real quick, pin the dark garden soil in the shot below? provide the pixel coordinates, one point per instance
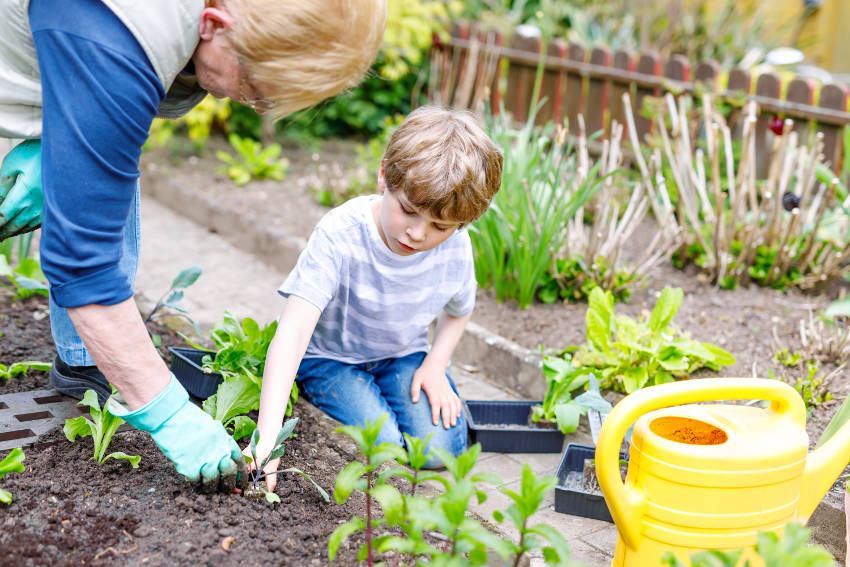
(69, 510)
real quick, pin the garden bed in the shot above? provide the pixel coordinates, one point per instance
(69, 510)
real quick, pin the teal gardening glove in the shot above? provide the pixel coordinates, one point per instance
(21, 198)
(199, 447)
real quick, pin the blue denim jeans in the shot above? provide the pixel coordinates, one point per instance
(69, 345)
(353, 393)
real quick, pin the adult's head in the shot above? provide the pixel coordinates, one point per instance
(284, 56)
(443, 162)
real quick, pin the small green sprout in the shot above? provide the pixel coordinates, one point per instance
(102, 426)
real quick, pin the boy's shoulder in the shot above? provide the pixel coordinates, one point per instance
(354, 212)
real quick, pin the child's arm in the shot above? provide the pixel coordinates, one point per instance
(295, 327)
(431, 376)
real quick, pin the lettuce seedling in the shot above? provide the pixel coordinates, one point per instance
(14, 462)
(16, 368)
(102, 426)
(277, 452)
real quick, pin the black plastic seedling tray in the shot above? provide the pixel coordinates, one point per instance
(577, 502)
(187, 367)
(502, 427)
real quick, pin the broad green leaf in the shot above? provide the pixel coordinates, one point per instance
(243, 426)
(346, 480)
(235, 396)
(77, 427)
(341, 533)
(634, 378)
(390, 500)
(5, 496)
(186, 277)
(567, 416)
(594, 400)
(841, 417)
(271, 497)
(599, 312)
(665, 308)
(133, 459)
(13, 462)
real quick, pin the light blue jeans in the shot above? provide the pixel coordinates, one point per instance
(353, 393)
(69, 345)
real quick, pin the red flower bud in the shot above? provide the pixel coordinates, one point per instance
(776, 125)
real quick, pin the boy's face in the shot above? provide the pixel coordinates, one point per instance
(406, 229)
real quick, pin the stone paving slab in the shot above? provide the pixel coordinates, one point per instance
(24, 416)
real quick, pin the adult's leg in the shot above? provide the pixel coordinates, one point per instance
(347, 393)
(70, 347)
(394, 377)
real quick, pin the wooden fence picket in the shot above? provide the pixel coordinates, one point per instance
(597, 92)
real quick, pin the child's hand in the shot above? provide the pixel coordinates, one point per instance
(271, 466)
(440, 394)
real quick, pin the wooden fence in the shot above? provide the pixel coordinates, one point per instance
(471, 66)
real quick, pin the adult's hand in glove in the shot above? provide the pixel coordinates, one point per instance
(199, 447)
(21, 197)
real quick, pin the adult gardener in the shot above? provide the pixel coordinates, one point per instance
(81, 83)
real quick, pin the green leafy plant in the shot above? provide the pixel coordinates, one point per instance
(466, 541)
(572, 279)
(628, 354)
(189, 133)
(240, 357)
(14, 462)
(252, 161)
(791, 550)
(810, 384)
(21, 368)
(27, 278)
(559, 405)
(171, 300)
(101, 427)
(256, 475)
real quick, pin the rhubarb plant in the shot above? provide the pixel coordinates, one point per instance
(14, 462)
(256, 475)
(628, 354)
(101, 427)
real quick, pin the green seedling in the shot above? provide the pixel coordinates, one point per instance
(171, 300)
(628, 354)
(559, 405)
(240, 357)
(362, 477)
(791, 550)
(252, 161)
(102, 426)
(27, 277)
(14, 462)
(255, 476)
(21, 368)
(525, 504)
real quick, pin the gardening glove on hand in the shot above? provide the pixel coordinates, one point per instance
(21, 198)
(199, 447)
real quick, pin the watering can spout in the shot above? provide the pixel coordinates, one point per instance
(823, 466)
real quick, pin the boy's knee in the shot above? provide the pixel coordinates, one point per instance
(453, 441)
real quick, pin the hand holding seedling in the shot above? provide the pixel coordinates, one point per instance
(263, 451)
(432, 379)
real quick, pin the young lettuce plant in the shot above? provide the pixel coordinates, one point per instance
(277, 452)
(559, 405)
(240, 357)
(629, 354)
(14, 462)
(102, 426)
(21, 368)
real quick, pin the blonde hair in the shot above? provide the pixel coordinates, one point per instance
(306, 50)
(444, 163)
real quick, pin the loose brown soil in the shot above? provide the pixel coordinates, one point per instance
(69, 510)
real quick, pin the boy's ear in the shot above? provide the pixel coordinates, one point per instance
(382, 184)
(214, 19)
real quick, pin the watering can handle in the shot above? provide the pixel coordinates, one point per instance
(627, 503)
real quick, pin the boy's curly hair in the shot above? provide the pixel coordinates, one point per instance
(444, 163)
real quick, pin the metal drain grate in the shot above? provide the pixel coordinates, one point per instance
(26, 415)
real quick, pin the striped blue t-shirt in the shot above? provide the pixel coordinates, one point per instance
(376, 304)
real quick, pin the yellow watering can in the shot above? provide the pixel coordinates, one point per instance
(711, 476)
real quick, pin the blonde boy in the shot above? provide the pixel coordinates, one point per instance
(375, 273)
